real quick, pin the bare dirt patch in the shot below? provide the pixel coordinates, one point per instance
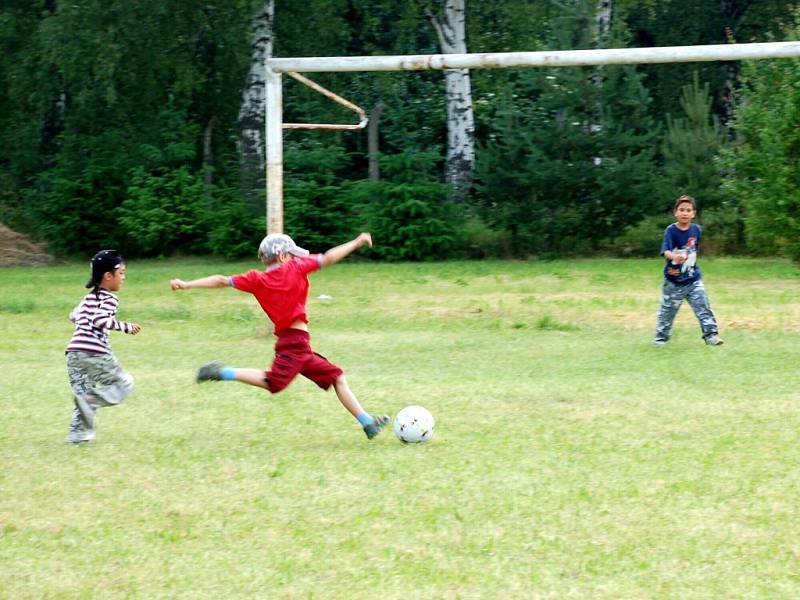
(16, 250)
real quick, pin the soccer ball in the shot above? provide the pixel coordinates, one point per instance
(413, 425)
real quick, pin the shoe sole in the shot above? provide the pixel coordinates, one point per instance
(78, 442)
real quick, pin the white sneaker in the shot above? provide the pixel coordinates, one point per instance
(78, 432)
(78, 437)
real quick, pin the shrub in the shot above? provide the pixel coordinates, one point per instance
(723, 230)
(643, 238)
(237, 228)
(412, 221)
(164, 212)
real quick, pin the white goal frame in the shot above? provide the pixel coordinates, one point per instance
(275, 67)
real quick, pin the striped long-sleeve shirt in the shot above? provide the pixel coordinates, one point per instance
(93, 318)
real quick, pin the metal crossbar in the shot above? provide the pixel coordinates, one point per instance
(492, 60)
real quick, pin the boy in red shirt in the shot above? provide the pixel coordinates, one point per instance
(282, 292)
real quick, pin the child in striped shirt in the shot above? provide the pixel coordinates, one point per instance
(97, 379)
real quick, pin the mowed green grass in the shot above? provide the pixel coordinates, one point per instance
(571, 458)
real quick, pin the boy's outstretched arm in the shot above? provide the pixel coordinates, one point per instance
(212, 281)
(336, 254)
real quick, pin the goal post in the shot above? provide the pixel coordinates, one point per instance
(492, 60)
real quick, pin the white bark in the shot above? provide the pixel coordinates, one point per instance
(251, 112)
(602, 21)
(450, 26)
(605, 10)
(373, 144)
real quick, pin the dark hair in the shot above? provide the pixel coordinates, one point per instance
(682, 199)
(105, 261)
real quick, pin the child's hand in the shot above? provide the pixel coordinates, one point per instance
(178, 284)
(679, 257)
(365, 239)
(135, 328)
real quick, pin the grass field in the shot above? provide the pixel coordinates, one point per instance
(571, 459)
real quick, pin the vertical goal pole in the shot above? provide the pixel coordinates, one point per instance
(273, 122)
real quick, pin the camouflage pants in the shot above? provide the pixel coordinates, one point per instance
(101, 380)
(672, 296)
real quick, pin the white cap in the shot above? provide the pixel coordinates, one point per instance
(278, 243)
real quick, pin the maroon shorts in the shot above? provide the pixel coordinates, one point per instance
(293, 357)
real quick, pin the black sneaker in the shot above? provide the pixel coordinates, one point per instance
(374, 428)
(210, 371)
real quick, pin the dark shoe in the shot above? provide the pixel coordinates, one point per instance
(659, 342)
(714, 340)
(210, 371)
(86, 410)
(374, 428)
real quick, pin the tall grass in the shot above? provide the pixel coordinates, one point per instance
(571, 459)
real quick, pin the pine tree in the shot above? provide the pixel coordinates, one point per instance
(690, 146)
(569, 159)
(762, 169)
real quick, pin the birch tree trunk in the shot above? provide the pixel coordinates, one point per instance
(373, 147)
(450, 26)
(734, 13)
(602, 22)
(208, 153)
(52, 123)
(605, 10)
(251, 112)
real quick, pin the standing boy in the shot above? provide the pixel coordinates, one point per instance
(96, 377)
(682, 277)
(282, 292)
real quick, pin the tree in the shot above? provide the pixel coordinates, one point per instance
(450, 25)
(93, 87)
(251, 112)
(681, 23)
(568, 163)
(691, 144)
(763, 171)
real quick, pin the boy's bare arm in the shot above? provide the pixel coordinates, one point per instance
(336, 254)
(212, 281)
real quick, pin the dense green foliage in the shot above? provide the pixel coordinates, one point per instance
(765, 171)
(568, 160)
(119, 126)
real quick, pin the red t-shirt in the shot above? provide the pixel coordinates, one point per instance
(281, 290)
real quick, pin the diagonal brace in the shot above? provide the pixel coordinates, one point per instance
(336, 98)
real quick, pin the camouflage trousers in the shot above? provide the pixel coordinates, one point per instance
(99, 379)
(672, 296)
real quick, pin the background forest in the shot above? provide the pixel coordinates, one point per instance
(125, 124)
